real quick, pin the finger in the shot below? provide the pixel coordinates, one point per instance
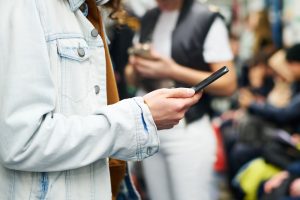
(267, 188)
(180, 93)
(154, 94)
(192, 101)
(198, 96)
(145, 62)
(145, 72)
(142, 68)
(172, 122)
(293, 191)
(165, 127)
(155, 55)
(132, 60)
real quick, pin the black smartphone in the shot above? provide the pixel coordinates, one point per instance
(200, 86)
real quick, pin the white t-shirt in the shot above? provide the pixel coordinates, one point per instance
(139, 7)
(216, 45)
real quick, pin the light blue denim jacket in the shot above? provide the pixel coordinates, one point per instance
(56, 130)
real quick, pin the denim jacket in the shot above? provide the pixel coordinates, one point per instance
(56, 130)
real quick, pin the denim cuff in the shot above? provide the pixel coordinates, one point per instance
(146, 131)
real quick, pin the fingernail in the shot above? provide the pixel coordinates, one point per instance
(190, 91)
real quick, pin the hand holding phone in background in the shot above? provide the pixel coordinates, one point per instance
(151, 64)
(141, 50)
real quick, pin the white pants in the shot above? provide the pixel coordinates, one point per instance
(183, 168)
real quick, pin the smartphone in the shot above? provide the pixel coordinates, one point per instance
(216, 75)
(143, 50)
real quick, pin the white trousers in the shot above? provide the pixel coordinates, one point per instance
(183, 167)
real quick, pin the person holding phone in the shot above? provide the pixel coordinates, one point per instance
(56, 81)
(188, 43)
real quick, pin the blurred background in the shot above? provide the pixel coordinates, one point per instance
(256, 128)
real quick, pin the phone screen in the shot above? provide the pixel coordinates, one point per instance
(213, 77)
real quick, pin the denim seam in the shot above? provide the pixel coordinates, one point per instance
(146, 129)
(12, 185)
(42, 20)
(68, 185)
(74, 57)
(74, 7)
(151, 127)
(55, 36)
(44, 183)
(92, 181)
(138, 136)
(136, 119)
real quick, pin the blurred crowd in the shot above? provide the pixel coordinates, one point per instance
(257, 128)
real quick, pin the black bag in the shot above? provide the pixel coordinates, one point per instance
(254, 131)
(280, 151)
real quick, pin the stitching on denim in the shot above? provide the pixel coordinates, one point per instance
(68, 185)
(75, 6)
(55, 36)
(42, 20)
(143, 117)
(92, 181)
(136, 132)
(12, 185)
(44, 183)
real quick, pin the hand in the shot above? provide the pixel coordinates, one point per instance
(245, 98)
(295, 188)
(157, 67)
(295, 138)
(168, 106)
(275, 181)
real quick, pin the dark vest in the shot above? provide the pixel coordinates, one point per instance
(188, 38)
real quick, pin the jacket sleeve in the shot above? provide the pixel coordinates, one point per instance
(294, 168)
(32, 136)
(278, 115)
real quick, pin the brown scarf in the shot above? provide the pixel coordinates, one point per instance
(117, 168)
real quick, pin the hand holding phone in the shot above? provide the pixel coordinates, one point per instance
(213, 77)
(141, 50)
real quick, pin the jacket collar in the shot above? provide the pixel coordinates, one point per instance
(75, 4)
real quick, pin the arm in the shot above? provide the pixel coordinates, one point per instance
(279, 115)
(275, 181)
(34, 137)
(294, 168)
(217, 53)
(223, 86)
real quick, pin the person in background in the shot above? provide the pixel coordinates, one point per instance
(57, 130)
(120, 34)
(286, 116)
(243, 137)
(139, 8)
(256, 34)
(188, 42)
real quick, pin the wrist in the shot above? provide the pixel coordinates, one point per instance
(145, 102)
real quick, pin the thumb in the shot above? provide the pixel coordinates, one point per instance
(155, 54)
(180, 93)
